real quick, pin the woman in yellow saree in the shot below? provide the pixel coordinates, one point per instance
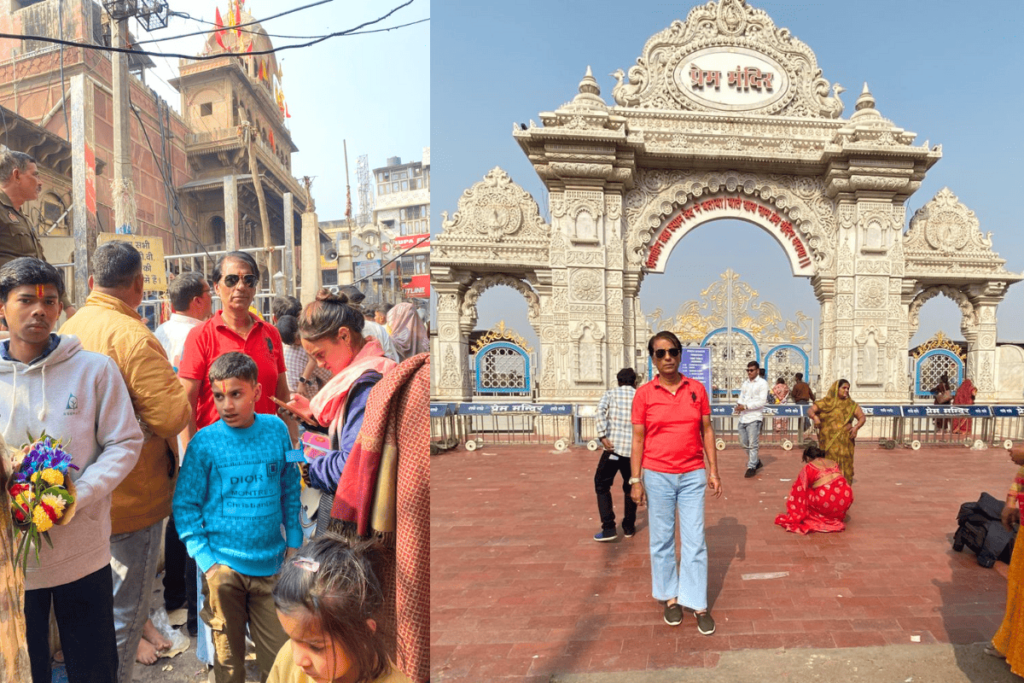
(837, 434)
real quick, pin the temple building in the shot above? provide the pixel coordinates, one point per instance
(191, 179)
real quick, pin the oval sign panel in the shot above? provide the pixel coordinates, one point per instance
(731, 79)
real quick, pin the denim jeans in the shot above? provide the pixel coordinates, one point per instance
(133, 563)
(668, 494)
(750, 434)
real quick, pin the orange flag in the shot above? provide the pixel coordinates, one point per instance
(271, 138)
(219, 24)
(286, 114)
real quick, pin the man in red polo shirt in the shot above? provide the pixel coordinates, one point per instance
(233, 328)
(671, 433)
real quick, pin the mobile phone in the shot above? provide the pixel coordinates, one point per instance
(288, 408)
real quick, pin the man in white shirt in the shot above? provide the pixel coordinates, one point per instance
(750, 408)
(191, 304)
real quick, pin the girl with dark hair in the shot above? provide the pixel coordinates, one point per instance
(819, 498)
(330, 603)
(331, 333)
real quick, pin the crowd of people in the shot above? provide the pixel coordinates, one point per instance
(197, 443)
(661, 440)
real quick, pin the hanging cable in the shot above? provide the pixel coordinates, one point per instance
(232, 28)
(167, 183)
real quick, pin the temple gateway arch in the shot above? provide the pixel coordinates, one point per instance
(722, 116)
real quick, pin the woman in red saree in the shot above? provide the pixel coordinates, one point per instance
(964, 397)
(820, 496)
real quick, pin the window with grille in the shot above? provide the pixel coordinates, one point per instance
(502, 368)
(932, 366)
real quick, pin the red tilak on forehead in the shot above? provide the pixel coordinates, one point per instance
(223, 387)
(39, 291)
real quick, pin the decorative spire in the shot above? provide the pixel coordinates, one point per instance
(589, 96)
(866, 99)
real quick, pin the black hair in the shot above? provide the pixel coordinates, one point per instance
(813, 453)
(183, 289)
(234, 365)
(754, 364)
(842, 382)
(336, 583)
(781, 380)
(328, 314)
(288, 327)
(626, 377)
(28, 271)
(115, 265)
(799, 377)
(664, 334)
(283, 305)
(245, 258)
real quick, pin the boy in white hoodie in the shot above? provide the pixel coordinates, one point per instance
(48, 382)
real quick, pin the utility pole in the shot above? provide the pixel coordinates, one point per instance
(248, 132)
(122, 182)
(344, 247)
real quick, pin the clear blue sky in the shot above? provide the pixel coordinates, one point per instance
(371, 90)
(936, 67)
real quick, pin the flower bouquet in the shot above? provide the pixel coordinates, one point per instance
(42, 493)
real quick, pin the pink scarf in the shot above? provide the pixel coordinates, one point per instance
(329, 400)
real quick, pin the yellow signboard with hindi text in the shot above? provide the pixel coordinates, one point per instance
(154, 270)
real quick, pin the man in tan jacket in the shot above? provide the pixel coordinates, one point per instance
(109, 324)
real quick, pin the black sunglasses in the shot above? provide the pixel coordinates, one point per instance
(751, 369)
(232, 280)
(660, 353)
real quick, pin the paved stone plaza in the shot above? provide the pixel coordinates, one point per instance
(520, 592)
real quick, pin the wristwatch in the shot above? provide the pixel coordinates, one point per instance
(303, 380)
(635, 480)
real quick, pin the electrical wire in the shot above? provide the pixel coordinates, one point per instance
(201, 58)
(167, 183)
(224, 28)
(232, 28)
(406, 251)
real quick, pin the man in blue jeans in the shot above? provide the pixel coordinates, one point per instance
(750, 408)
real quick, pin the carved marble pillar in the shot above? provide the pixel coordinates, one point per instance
(978, 325)
(454, 379)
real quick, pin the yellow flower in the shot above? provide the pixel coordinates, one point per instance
(53, 477)
(41, 519)
(25, 497)
(54, 501)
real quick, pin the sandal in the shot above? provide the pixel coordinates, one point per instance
(991, 651)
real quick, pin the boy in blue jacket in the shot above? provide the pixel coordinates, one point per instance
(234, 492)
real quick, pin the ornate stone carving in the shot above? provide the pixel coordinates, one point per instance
(451, 373)
(969, 319)
(447, 303)
(488, 281)
(943, 228)
(585, 285)
(871, 292)
(799, 198)
(661, 77)
(496, 210)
